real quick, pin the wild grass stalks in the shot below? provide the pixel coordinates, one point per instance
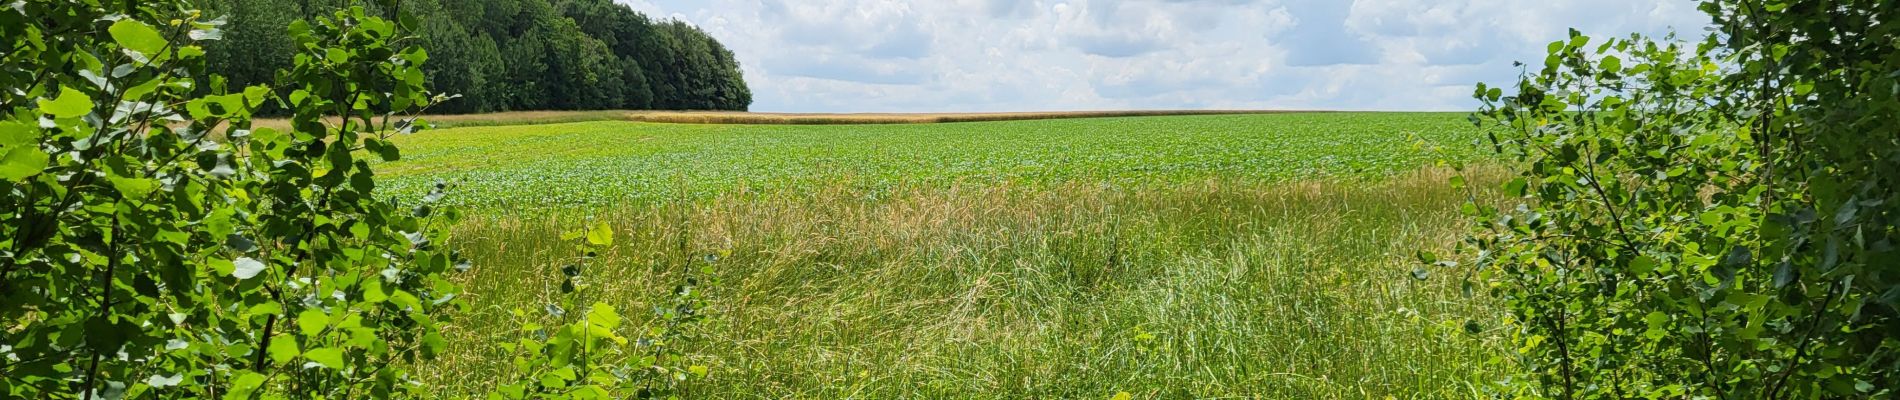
(1208, 289)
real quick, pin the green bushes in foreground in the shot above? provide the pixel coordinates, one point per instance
(154, 245)
(1706, 220)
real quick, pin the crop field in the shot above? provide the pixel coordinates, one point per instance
(767, 118)
(611, 162)
(1231, 256)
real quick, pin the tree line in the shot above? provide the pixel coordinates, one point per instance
(511, 55)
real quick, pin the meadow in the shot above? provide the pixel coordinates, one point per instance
(1220, 256)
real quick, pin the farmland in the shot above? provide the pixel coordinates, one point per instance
(608, 162)
(1181, 256)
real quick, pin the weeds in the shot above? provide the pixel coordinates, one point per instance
(1209, 289)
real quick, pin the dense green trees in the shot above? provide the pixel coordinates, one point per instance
(502, 55)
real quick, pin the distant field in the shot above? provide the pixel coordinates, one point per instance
(610, 162)
(1220, 256)
(766, 118)
(721, 117)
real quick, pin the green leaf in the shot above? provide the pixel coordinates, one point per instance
(246, 268)
(138, 92)
(389, 152)
(312, 321)
(404, 299)
(19, 163)
(1785, 274)
(601, 235)
(373, 291)
(1515, 187)
(266, 308)
(159, 381)
(135, 188)
(300, 30)
(1578, 40)
(1747, 301)
(415, 55)
(222, 266)
(1658, 325)
(246, 383)
(1122, 396)
(17, 134)
(219, 223)
(71, 103)
(329, 357)
(1611, 64)
(283, 349)
(432, 344)
(1644, 264)
(604, 315)
(137, 36)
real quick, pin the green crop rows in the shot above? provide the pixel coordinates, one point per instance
(597, 163)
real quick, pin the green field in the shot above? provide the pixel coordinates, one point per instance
(611, 162)
(1262, 256)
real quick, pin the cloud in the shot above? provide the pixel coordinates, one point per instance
(854, 69)
(1006, 8)
(1319, 36)
(1004, 55)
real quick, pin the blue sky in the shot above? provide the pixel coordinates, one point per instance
(1002, 55)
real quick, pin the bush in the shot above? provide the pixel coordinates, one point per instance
(156, 245)
(1705, 220)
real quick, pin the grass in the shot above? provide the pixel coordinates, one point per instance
(1257, 256)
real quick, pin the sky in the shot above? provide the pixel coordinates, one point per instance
(1058, 55)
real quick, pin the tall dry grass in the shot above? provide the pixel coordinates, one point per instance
(1212, 289)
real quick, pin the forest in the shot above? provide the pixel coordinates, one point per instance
(513, 55)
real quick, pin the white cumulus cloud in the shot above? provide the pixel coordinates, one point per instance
(1015, 55)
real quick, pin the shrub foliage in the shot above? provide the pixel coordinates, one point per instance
(1713, 219)
(155, 245)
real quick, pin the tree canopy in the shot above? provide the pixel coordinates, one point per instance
(511, 55)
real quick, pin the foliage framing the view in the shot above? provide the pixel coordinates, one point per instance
(1705, 220)
(155, 245)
